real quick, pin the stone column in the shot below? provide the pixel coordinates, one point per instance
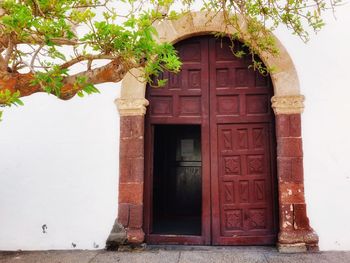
(295, 233)
(128, 226)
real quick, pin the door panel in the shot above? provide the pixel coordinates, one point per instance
(184, 100)
(241, 174)
(244, 175)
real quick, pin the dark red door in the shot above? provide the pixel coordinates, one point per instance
(231, 103)
(242, 159)
(183, 101)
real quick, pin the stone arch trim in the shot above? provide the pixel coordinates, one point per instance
(196, 23)
(295, 233)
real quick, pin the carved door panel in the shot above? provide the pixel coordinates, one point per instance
(184, 98)
(242, 167)
(244, 182)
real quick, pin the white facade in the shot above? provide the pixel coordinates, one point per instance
(59, 159)
(59, 168)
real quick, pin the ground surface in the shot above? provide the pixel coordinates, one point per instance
(174, 255)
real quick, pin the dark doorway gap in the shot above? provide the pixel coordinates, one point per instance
(177, 180)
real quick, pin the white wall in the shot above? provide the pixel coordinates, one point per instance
(59, 167)
(59, 160)
(324, 73)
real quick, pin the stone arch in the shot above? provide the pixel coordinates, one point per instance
(196, 23)
(285, 79)
(295, 233)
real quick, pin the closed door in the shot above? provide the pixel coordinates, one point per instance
(230, 103)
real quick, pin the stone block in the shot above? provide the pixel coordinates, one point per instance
(292, 248)
(131, 170)
(284, 169)
(289, 147)
(131, 193)
(297, 170)
(290, 169)
(135, 236)
(286, 217)
(295, 125)
(123, 214)
(282, 125)
(136, 216)
(291, 193)
(131, 148)
(131, 126)
(301, 221)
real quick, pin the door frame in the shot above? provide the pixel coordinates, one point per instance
(295, 232)
(205, 238)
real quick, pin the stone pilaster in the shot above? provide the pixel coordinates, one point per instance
(295, 234)
(128, 226)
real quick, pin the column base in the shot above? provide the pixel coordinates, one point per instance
(297, 241)
(135, 236)
(117, 236)
(292, 248)
(120, 236)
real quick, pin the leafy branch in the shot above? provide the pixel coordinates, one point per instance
(42, 42)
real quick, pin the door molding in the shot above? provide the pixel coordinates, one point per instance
(295, 232)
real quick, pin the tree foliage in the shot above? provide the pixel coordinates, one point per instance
(42, 41)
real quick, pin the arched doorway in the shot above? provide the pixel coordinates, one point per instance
(210, 162)
(294, 232)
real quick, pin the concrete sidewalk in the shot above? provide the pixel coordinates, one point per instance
(174, 254)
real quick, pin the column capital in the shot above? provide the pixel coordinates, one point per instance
(288, 104)
(132, 107)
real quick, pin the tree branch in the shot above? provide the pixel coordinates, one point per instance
(85, 57)
(36, 40)
(3, 64)
(9, 51)
(112, 72)
(31, 66)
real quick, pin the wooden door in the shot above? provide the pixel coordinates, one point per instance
(183, 101)
(242, 158)
(231, 103)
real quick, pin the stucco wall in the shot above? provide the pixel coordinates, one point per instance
(323, 70)
(59, 167)
(59, 160)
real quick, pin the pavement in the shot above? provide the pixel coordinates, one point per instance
(174, 254)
